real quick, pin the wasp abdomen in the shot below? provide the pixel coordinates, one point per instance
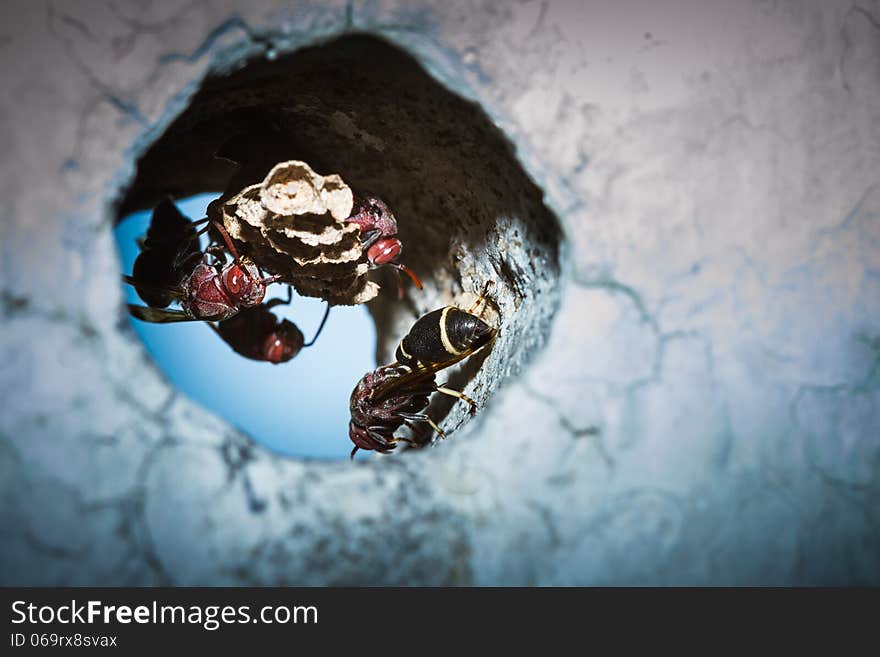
(442, 335)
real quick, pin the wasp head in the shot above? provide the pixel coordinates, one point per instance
(364, 438)
(372, 214)
(242, 282)
(378, 229)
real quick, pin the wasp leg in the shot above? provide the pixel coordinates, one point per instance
(379, 438)
(369, 238)
(197, 234)
(215, 249)
(484, 295)
(434, 426)
(410, 441)
(384, 445)
(424, 417)
(184, 254)
(423, 439)
(459, 395)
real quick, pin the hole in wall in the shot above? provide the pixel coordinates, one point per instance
(467, 212)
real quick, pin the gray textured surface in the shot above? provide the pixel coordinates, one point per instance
(705, 410)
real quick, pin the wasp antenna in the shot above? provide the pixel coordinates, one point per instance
(435, 427)
(320, 328)
(228, 240)
(353, 452)
(406, 270)
(369, 238)
(459, 395)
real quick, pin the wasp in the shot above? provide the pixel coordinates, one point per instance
(378, 228)
(169, 247)
(256, 333)
(398, 394)
(171, 267)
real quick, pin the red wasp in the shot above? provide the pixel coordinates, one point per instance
(378, 229)
(171, 267)
(397, 394)
(258, 334)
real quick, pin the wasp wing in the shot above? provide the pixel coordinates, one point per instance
(422, 377)
(169, 227)
(173, 292)
(418, 380)
(158, 315)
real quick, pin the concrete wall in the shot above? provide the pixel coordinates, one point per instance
(706, 408)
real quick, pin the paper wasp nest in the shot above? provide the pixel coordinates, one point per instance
(293, 224)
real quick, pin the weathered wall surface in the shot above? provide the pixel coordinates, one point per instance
(706, 408)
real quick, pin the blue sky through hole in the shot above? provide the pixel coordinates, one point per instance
(298, 408)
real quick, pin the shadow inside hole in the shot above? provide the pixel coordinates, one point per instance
(364, 109)
(298, 408)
